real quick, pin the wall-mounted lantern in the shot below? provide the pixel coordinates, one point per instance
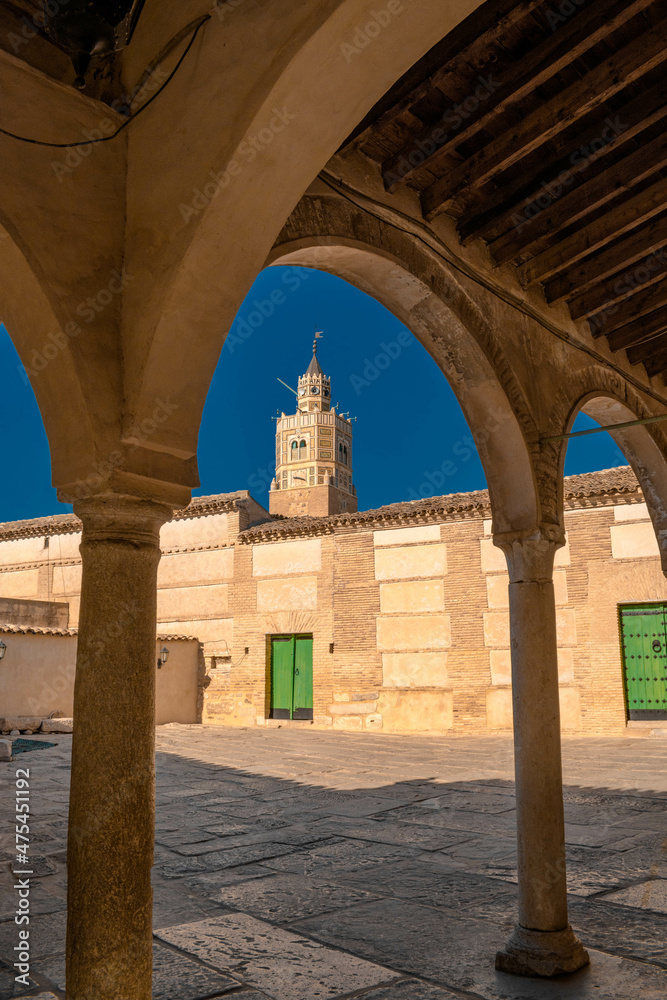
(163, 656)
(3, 649)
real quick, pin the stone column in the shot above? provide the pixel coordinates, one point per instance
(112, 799)
(543, 942)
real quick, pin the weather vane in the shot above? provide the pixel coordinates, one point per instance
(318, 335)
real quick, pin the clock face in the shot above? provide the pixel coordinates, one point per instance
(314, 390)
(302, 392)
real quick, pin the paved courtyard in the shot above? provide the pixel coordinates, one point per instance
(301, 865)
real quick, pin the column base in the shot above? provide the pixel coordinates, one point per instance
(542, 953)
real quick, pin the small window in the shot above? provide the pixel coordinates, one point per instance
(302, 449)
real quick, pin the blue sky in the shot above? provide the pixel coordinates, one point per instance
(409, 425)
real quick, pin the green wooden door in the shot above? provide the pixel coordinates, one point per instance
(644, 641)
(302, 704)
(282, 676)
(291, 677)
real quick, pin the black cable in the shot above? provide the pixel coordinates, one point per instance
(107, 138)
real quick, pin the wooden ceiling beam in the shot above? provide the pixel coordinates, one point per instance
(435, 141)
(652, 354)
(656, 365)
(645, 300)
(641, 247)
(490, 216)
(621, 286)
(621, 219)
(581, 201)
(446, 57)
(581, 98)
(639, 330)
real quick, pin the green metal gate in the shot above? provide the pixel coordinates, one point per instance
(291, 677)
(644, 644)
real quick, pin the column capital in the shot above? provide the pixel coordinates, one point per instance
(121, 474)
(530, 554)
(121, 517)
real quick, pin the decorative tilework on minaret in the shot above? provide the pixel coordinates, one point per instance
(313, 452)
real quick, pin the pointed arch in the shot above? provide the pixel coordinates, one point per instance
(253, 147)
(418, 288)
(607, 398)
(44, 345)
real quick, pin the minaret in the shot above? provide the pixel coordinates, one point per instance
(313, 453)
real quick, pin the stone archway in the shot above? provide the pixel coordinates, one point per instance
(44, 343)
(419, 290)
(601, 395)
(243, 168)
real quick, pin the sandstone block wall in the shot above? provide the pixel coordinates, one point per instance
(410, 623)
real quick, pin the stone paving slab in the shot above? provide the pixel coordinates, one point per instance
(211, 882)
(620, 930)
(176, 904)
(9, 988)
(175, 976)
(384, 831)
(416, 873)
(409, 989)
(47, 936)
(502, 825)
(454, 951)
(433, 887)
(281, 898)
(348, 855)
(470, 798)
(282, 965)
(649, 895)
(223, 859)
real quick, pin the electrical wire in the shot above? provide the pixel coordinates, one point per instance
(108, 138)
(435, 244)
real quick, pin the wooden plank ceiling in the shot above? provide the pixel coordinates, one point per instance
(541, 128)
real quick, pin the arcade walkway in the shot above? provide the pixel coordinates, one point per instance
(306, 865)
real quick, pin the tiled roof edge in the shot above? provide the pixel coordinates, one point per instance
(63, 524)
(8, 629)
(586, 489)
(583, 490)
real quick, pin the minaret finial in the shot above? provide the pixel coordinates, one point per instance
(318, 335)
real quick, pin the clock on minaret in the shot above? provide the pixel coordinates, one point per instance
(313, 453)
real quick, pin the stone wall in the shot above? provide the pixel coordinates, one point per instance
(50, 614)
(37, 675)
(419, 621)
(315, 501)
(410, 621)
